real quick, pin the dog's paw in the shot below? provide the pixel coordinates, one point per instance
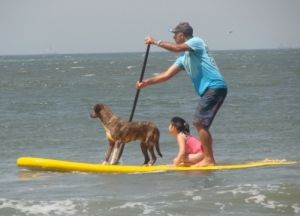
(104, 163)
(151, 163)
(147, 164)
(115, 163)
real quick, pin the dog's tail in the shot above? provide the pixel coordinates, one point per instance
(157, 143)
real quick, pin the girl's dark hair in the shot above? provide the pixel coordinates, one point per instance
(180, 124)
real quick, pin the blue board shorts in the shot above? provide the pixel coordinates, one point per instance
(208, 106)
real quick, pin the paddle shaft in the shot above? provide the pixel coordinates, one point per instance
(141, 79)
(136, 97)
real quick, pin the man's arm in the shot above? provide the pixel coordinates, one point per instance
(162, 77)
(172, 47)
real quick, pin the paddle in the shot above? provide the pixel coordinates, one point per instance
(135, 99)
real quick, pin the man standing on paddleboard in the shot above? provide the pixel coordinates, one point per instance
(208, 82)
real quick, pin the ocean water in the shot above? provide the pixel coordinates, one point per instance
(45, 102)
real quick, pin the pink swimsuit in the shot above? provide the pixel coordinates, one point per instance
(193, 145)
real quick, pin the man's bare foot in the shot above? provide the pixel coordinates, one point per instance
(205, 162)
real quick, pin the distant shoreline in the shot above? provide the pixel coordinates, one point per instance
(116, 53)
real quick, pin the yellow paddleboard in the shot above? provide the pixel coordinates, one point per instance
(69, 166)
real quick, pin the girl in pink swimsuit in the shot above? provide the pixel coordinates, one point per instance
(190, 148)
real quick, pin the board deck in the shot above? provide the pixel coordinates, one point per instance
(71, 166)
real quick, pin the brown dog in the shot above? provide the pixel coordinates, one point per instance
(119, 131)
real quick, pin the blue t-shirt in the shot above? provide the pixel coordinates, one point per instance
(200, 66)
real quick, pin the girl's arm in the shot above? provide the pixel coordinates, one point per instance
(181, 152)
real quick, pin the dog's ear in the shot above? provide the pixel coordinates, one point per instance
(98, 108)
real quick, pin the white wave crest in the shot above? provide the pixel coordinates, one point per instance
(65, 207)
(145, 208)
(89, 75)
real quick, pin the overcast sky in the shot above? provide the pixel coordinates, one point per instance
(98, 26)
